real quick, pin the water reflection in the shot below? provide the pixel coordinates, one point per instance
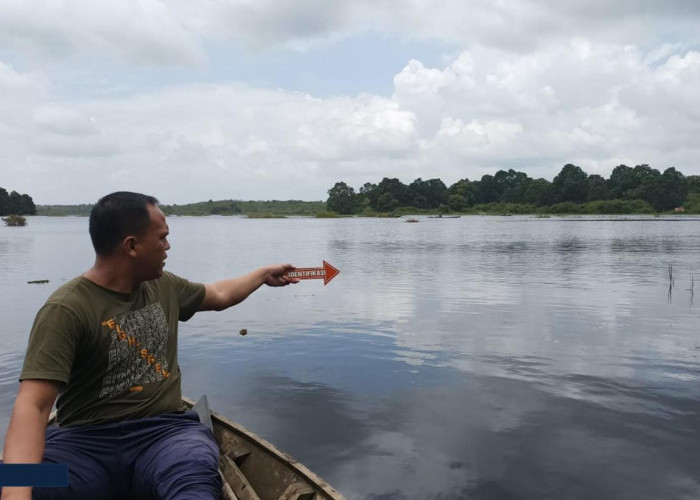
(437, 430)
(476, 437)
(692, 288)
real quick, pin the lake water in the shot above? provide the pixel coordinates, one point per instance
(479, 357)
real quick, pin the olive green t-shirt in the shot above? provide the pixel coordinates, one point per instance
(115, 353)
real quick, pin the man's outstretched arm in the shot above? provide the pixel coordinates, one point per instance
(26, 434)
(226, 293)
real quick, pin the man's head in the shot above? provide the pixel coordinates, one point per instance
(117, 216)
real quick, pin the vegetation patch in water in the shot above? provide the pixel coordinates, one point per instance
(15, 220)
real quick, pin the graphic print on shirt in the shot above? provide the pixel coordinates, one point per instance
(137, 352)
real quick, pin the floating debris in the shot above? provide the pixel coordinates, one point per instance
(243, 331)
(37, 282)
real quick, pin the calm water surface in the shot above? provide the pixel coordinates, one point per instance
(479, 357)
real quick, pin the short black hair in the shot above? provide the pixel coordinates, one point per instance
(116, 216)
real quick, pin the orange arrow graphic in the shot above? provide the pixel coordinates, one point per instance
(326, 273)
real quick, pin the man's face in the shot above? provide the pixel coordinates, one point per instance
(152, 246)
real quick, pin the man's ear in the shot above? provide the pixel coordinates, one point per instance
(129, 246)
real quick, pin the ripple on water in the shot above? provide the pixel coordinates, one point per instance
(10, 365)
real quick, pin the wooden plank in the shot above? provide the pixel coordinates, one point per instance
(226, 491)
(298, 491)
(238, 453)
(235, 478)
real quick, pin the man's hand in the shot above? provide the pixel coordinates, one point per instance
(278, 275)
(16, 494)
(24, 442)
(226, 293)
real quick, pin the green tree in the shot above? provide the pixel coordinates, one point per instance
(457, 203)
(386, 202)
(692, 182)
(597, 188)
(511, 185)
(28, 206)
(427, 194)
(463, 188)
(224, 208)
(487, 190)
(389, 194)
(672, 189)
(4, 200)
(646, 185)
(364, 195)
(622, 182)
(15, 203)
(646, 182)
(436, 192)
(342, 199)
(536, 192)
(570, 185)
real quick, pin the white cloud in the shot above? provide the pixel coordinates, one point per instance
(159, 32)
(90, 99)
(351, 129)
(11, 80)
(227, 137)
(584, 101)
(63, 121)
(516, 25)
(141, 32)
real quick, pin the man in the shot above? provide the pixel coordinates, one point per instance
(104, 348)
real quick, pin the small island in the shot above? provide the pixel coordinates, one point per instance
(15, 220)
(14, 206)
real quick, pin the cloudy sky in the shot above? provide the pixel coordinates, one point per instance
(262, 99)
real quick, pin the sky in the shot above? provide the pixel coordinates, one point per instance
(261, 99)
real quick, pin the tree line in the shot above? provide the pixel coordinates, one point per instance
(240, 207)
(640, 188)
(211, 207)
(15, 203)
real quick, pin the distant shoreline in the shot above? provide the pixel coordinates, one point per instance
(289, 208)
(573, 216)
(211, 207)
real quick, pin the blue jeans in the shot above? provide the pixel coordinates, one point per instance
(171, 456)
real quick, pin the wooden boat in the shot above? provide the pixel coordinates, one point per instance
(252, 468)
